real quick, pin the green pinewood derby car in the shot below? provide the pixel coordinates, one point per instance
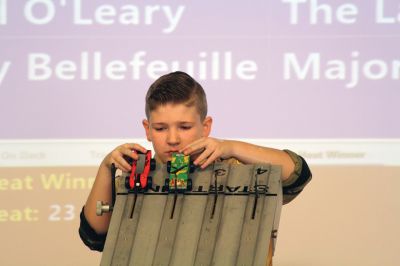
(178, 169)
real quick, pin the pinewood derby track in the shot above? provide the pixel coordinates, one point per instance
(230, 217)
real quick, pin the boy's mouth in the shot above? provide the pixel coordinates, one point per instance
(169, 153)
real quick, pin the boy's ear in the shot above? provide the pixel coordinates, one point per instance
(146, 126)
(207, 123)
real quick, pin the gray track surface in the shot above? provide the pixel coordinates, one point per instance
(232, 223)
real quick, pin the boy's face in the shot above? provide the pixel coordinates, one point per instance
(172, 127)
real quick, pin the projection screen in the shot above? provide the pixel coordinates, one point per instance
(318, 77)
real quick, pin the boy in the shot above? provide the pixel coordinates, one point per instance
(177, 121)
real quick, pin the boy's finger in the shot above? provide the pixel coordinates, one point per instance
(186, 149)
(130, 153)
(210, 160)
(134, 146)
(203, 156)
(192, 145)
(123, 165)
(140, 148)
(194, 148)
(194, 152)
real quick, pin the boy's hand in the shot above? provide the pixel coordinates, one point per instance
(209, 150)
(116, 157)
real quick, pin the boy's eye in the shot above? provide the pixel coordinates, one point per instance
(186, 127)
(159, 128)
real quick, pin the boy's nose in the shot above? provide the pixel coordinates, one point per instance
(173, 137)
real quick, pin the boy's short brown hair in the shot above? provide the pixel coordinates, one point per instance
(176, 87)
